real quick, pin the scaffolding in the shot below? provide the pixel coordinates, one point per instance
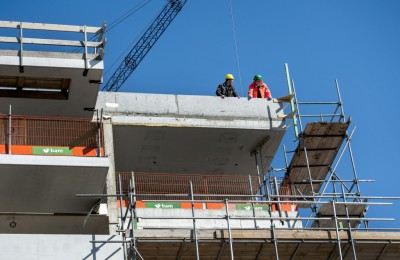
(313, 168)
(334, 206)
(198, 243)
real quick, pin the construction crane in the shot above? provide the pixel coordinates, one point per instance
(144, 44)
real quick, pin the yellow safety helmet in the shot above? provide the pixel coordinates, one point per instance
(229, 76)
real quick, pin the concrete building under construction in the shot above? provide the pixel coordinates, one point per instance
(103, 175)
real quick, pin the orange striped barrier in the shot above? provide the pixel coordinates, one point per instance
(285, 207)
(50, 150)
(210, 206)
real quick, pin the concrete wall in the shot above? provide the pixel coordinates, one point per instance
(50, 247)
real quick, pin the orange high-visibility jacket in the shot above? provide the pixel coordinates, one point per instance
(259, 92)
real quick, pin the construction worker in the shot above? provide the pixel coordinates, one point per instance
(258, 89)
(226, 89)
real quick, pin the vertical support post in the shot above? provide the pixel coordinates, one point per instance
(274, 239)
(297, 106)
(98, 134)
(196, 241)
(286, 159)
(296, 131)
(337, 229)
(132, 206)
(268, 196)
(122, 215)
(252, 204)
(258, 168)
(100, 38)
(334, 187)
(229, 228)
(262, 166)
(110, 182)
(101, 134)
(278, 199)
(21, 49)
(9, 131)
(350, 233)
(342, 115)
(85, 72)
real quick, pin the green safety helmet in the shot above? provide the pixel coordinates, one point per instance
(257, 77)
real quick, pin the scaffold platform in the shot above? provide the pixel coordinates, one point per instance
(352, 216)
(314, 155)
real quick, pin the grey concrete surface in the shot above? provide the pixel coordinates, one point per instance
(110, 181)
(60, 247)
(217, 223)
(190, 111)
(82, 93)
(48, 184)
(191, 134)
(53, 224)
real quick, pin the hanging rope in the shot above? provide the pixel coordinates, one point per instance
(236, 47)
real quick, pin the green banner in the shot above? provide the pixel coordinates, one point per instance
(51, 150)
(163, 205)
(249, 207)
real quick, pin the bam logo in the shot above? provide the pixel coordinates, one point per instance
(163, 205)
(51, 150)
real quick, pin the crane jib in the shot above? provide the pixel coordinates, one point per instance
(144, 44)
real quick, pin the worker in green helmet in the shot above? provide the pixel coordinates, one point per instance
(226, 89)
(258, 89)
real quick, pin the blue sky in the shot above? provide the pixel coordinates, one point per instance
(356, 42)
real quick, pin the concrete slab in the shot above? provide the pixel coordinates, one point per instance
(191, 134)
(48, 184)
(82, 93)
(191, 150)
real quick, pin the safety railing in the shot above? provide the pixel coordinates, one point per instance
(163, 183)
(85, 40)
(50, 136)
(22, 29)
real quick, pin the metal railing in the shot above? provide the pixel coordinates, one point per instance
(50, 132)
(21, 42)
(163, 183)
(23, 27)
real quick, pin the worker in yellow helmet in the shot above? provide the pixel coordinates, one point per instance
(226, 89)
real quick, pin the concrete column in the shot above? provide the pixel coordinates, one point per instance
(110, 183)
